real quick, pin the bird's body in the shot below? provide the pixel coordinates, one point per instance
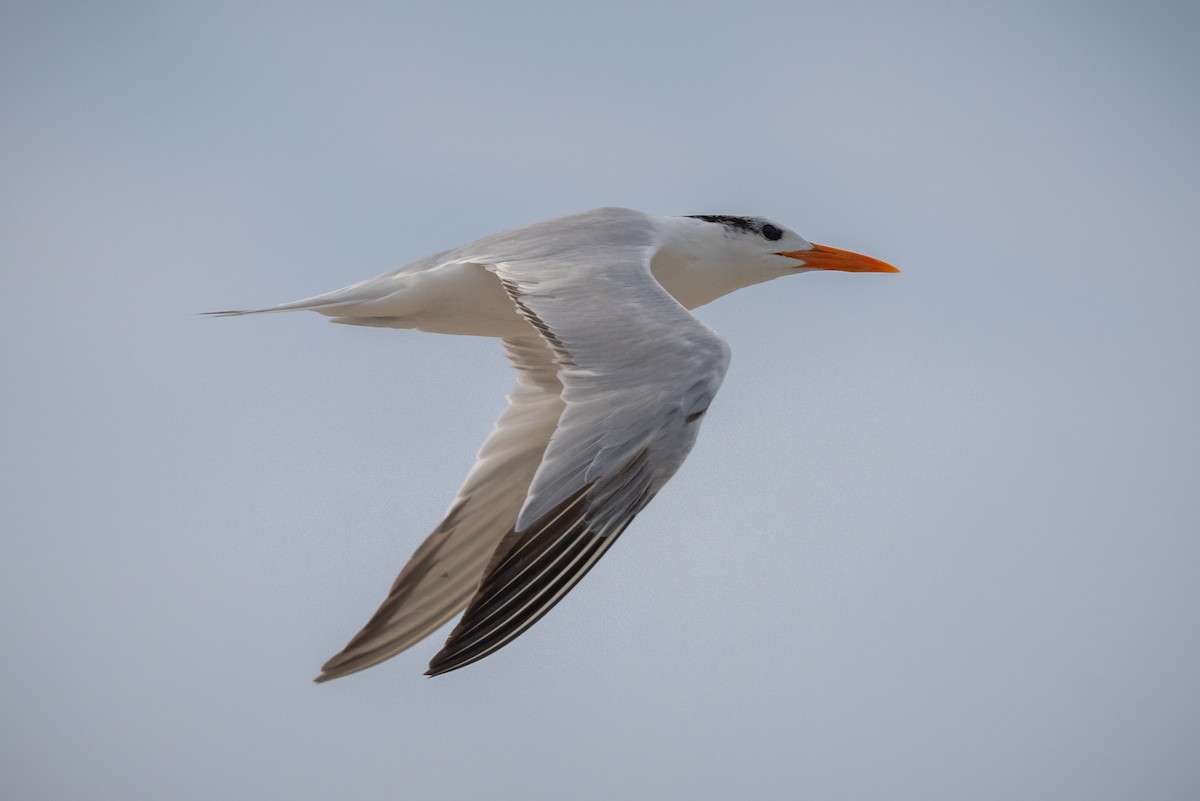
(614, 377)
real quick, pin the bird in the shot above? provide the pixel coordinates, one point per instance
(614, 377)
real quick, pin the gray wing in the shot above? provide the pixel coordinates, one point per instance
(444, 572)
(638, 372)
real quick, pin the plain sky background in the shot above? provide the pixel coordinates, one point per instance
(940, 537)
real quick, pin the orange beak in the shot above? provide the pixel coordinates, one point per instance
(823, 257)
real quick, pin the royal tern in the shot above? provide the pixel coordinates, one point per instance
(614, 376)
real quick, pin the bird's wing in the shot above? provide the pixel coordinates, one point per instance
(638, 372)
(444, 572)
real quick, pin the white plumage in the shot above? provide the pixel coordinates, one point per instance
(614, 375)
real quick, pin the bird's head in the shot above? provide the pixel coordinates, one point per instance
(710, 255)
(770, 244)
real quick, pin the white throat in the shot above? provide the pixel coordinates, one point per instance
(699, 262)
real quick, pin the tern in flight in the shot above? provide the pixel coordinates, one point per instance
(614, 376)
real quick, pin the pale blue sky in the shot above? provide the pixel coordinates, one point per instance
(938, 540)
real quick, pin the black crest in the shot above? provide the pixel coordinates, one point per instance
(749, 225)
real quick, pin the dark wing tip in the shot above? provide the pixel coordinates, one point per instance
(438, 667)
(530, 572)
(535, 568)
